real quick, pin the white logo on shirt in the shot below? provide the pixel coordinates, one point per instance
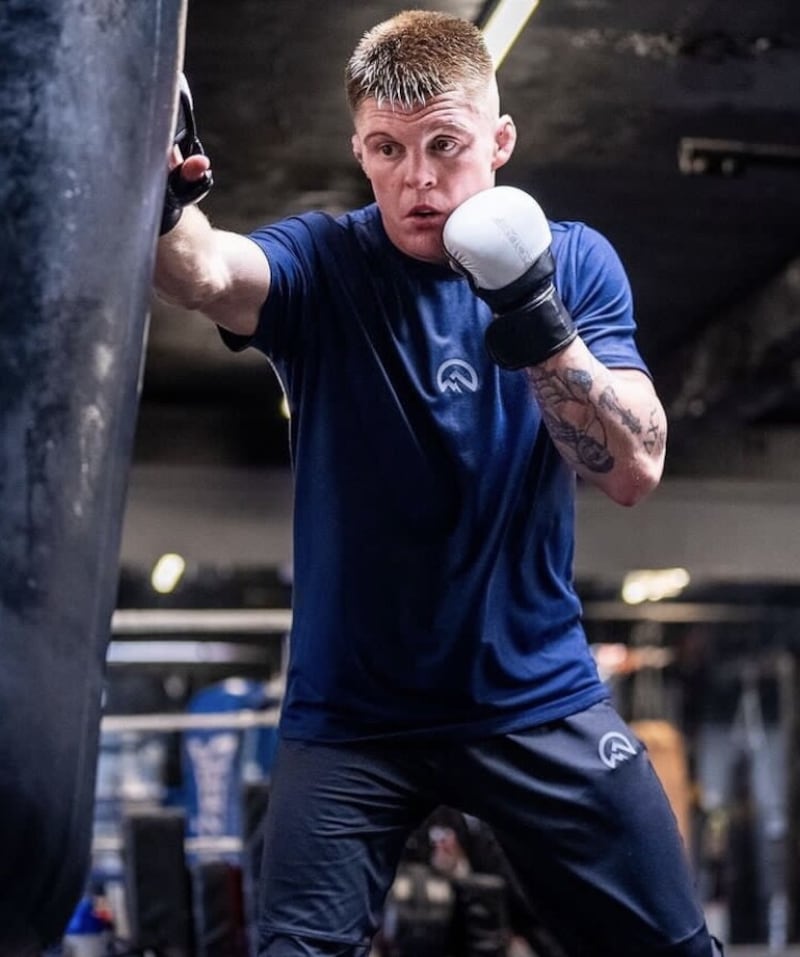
(456, 375)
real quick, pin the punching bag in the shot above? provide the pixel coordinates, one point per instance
(87, 103)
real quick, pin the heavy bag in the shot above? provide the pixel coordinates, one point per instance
(87, 106)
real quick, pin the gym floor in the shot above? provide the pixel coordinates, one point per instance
(760, 950)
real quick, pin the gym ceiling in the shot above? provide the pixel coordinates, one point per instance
(673, 126)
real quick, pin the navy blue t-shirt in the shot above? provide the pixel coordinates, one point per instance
(433, 527)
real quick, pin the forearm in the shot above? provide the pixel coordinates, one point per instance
(223, 275)
(187, 267)
(607, 424)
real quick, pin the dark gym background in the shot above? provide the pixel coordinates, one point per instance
(674, 128)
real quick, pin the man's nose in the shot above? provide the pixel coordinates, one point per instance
(419, 170)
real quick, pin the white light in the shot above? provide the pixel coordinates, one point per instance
(653, 584)
(167, 572)
(634, 591)
(285, 407)
(504, 26)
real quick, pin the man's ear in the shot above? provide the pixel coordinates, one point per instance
(355, 145)
(505, 139)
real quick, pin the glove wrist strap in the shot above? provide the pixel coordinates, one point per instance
(535, 331)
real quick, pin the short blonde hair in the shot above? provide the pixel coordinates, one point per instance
(416, 55)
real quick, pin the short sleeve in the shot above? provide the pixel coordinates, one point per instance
(595, 288)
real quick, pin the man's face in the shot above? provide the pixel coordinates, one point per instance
(424, 162)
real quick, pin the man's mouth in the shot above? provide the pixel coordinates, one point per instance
(423, 212)
(425, 217)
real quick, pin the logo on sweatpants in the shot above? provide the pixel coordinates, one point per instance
(614, 748)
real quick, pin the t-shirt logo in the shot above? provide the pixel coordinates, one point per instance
(456, 375)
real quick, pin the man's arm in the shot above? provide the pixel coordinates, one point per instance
(221, 274)
(608, 424)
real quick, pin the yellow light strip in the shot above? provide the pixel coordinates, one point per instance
(653, 584)
(504, 25)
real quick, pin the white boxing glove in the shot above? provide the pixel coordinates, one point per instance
(500, 239)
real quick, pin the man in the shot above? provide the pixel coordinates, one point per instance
(446, 385)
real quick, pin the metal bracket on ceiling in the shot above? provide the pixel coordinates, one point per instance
(719, 157)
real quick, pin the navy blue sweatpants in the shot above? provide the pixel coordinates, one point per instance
(575, 804)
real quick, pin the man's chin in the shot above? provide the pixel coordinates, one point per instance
(427, 249)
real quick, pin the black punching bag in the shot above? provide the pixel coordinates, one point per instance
(87, 103)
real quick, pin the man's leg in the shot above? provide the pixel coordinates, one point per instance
(337, 822)
(588, 828)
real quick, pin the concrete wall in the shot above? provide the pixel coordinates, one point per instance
(727, 530)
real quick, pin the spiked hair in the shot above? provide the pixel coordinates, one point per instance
(416, 55)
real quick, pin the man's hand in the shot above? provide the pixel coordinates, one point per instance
(190, 178)
(500, 239)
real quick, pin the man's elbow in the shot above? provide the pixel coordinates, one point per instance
(628, 487)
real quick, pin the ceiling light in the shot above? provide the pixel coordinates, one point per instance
(653, 584)
(167, 572)
(504, 24)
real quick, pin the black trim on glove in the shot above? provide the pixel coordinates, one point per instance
(180, 193)
(531, 323)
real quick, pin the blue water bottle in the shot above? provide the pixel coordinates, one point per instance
(88, 933)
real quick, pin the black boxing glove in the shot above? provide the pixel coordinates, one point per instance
(500, 240)
(180, 192)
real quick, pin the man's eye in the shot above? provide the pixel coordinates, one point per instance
(444, 145)
(386, 149)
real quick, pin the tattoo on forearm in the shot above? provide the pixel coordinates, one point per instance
(609, 400)
(581, 437)
(577, 421)
(655, 438)
(583, 448)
